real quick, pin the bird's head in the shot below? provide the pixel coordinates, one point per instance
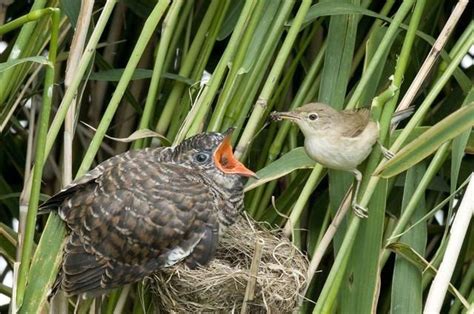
(211, 152)
(313, 118)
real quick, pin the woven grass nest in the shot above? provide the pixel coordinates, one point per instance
(277, 275)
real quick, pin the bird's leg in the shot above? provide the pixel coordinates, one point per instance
(385, 151)
(360, 211)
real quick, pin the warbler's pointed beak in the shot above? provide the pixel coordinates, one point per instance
(225, 160)
(277, 116)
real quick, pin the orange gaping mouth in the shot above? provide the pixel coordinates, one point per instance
(226, 162)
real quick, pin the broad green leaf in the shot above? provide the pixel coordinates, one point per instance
(407, 291)
(44, 266)
(338, 7)
(335, 77)
(469, 149)
(295, 159)
(139, 134)
(8, 243)
(142, 8)
(362, 274)
(5, 290)
(360, 281)
(71, 9)
(260, 36)
(231, 19)
(416, 259)
(458, 148)
(428, 142)
(37, 59)
(114, 75)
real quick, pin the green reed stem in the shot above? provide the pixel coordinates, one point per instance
(148, 30)
(272, 80)
(40, 156)
(169, 24)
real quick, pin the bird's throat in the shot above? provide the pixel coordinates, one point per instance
(226, 161)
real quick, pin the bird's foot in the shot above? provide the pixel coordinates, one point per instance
(387, 153)
(360, 211)
(274, 116)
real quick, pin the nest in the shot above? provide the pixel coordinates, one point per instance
(272, 283)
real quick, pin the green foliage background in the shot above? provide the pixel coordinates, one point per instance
(142, 68)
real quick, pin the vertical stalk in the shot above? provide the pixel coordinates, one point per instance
(148, 29)
(81, 70)
(203, 34)
(309, 187)
(210, 91)
(27, 245)
(163, 49)
(272, 80)
(433, 54)
(253, 82)
(391, 32)
(439, 287)
(400, 70)
(23, 40)
(234, 78)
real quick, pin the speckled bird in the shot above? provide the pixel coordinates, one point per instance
(144, 210)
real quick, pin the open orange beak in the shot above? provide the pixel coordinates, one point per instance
(225, 160)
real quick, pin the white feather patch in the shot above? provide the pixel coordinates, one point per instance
(178, 253)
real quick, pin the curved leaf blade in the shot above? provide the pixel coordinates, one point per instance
(445, 130)
(36, 59)
(295, 159)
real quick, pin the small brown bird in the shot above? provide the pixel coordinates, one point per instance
(143, 210)
(339, 140)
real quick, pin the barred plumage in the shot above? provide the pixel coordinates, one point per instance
(143, 210)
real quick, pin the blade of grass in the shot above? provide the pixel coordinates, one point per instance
(237, 71)
(44, 265)
(5, 66)
(148, 30)
(407, 292)
(169, 25)
(424, 266)
(458, 122)
(26, 242)
(19, 47)
(268, 88)
(295, 159)
(208, 95)
(213, 17)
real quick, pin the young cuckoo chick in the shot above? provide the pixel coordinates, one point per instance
(144, 210)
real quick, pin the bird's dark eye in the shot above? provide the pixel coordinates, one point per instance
(201, 157)
(313, 116)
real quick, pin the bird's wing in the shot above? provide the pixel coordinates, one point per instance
(134, 219)
(56, 200)
(354, 121)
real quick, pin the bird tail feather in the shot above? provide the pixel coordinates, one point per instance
(402, 115)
